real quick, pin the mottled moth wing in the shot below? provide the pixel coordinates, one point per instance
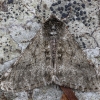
(30, 70)
(53, 57)
(70, 65)
(73, 68)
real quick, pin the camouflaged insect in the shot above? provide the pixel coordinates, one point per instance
(52, 57)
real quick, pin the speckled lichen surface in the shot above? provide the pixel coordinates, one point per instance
(20, 20)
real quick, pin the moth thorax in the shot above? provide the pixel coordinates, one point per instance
(53, 33)
(53, 30)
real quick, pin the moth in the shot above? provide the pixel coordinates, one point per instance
(53, 57)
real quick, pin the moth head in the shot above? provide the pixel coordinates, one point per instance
(53, 26)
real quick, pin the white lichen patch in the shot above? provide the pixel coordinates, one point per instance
(21, 96)
(23, 33)
(47, 93)
(94, 56)
(86, 41)
(88, 96)
(8, 47)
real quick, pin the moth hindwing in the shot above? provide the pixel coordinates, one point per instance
(53, 57)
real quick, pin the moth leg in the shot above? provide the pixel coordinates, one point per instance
(30, 94)
(3, 97)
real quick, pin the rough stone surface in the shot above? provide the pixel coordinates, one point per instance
(20, 21)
